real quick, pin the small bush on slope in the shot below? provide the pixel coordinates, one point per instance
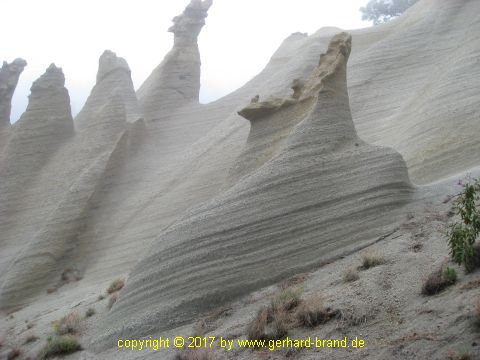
(462, 235)
(116, 285)
(371, 260)
(312, 312)
(69, 324)
(439, 280)
(62, 345)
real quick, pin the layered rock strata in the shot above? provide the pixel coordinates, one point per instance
(317, 194)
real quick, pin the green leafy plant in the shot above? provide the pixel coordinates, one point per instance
(439, 280)
(450, 275)
(462, 235)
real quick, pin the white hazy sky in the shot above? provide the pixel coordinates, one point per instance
(236, 43)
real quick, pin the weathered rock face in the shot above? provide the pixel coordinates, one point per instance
(84, 163)
(46, 123)
(113, 80)
(176, 81)
(300, 208)
(9, 75)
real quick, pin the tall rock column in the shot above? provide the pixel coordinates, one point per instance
(176, 81)
(9, 75)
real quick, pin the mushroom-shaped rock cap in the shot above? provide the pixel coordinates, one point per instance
(329, 75)
(188, 25)
(108, 62)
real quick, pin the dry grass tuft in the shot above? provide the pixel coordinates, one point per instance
(112, 300)
(351, 275)
(195, 354)
(69, 324)
(256, 329)
(287, 300)
(439, 280)
(116, 285)
(312, 312)
(62, 345)
(371, 260)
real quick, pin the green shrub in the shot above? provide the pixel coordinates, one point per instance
(462, 236)
(439, 280)
(450, 275)
(62, 345)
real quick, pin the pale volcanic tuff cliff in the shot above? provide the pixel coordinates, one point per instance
(273, 222)
(55, 208)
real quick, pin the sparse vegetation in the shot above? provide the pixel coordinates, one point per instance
(312, 312)
(350, 275)
(69, 324)
(371, 260)
(90, 312)
(439, 280)
(462, 235)
(287, 300)
(286, 311)
(101, 297)
(112, 300)
(256, 328)
(116, 285)
(62, 345)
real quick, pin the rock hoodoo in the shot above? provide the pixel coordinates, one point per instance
(113, 80)
(9, 75)
(298, 210)
(176, 81)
